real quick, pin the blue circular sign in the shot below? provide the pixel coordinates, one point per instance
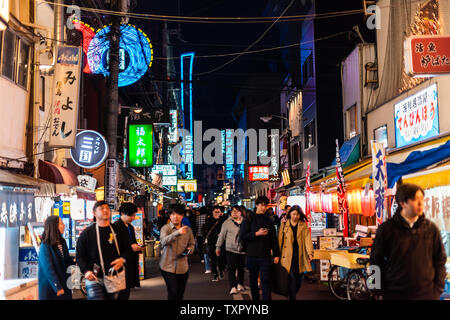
(91, 149)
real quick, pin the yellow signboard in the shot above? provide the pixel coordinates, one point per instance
(187, 185)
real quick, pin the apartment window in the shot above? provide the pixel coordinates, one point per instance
(380, 135)
(296, 154)
(23, 64)
(307, 68)
(9, 54)
(310, 135)
(351, 122)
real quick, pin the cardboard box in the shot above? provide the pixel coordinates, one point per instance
(329, 232)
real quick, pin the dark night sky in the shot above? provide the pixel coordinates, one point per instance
(215, 94)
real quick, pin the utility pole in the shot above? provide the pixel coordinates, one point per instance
(111, 170)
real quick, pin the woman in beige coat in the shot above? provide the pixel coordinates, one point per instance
(296, 248)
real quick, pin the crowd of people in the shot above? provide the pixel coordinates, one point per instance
(237, 241)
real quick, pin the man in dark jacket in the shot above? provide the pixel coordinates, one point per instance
(260, 240)
(211, 232)
(409, 251)
(125, 230)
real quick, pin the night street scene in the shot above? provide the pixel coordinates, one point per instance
(235, 151)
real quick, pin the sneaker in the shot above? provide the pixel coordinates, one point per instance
(240, 287)
(208, 271)
(221, 275)
(233, 290)
(215, 278)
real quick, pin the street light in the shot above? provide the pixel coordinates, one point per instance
(270, 117)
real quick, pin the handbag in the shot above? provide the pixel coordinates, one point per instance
(114, 281)
(280, 276)
(205, 246)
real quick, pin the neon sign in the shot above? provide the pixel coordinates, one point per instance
(135, 52)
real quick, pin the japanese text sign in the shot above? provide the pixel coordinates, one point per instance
(427, 55)
(66, 87)
(140, 145)
(187, 185)
(16, 209)
(379, 176)
(258, 173)
(91, 149)
(417, 117)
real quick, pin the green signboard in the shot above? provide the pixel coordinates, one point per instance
(140, 145)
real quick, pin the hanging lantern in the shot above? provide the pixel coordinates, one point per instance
(335, 203)
(358, 201)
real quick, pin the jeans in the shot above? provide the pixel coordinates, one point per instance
(176, 284)
(217, 262)
(207, 262)
(260, 266)
(97, 291)
(235, 262)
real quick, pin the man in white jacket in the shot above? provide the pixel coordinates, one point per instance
(235, 255)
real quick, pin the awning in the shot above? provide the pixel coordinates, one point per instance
(43, 188)
(56, 174)
(349, 152)
(427, 179)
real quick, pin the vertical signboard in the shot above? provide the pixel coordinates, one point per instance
(111, 183)
(342, 193)
(140, 145)
(173, 130)
(274, 168)
(66, 87)
(379, 176)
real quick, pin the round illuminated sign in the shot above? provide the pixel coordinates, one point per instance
(135, 54)
(91, 149)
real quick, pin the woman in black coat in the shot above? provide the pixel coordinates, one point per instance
(54, 260)
(125, 231)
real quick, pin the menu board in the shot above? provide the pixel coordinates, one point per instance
(36, 230)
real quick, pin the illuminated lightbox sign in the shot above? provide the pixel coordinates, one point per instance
(417, 117)
(187, 185)
(258, 173)
(140, 145)
(169, 181)
(91, 149)
(168, 172)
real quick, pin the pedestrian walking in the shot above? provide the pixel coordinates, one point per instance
(177, 242)
(115, 252)
(409, 251)
(296, 246)
(125, 229)
(211, 233)
(54, 259)
(261, 246)
(200, 222)
(229, 235)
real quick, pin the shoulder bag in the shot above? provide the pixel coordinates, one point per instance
(114, 281)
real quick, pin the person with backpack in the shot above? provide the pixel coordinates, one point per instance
(259, 237)
(229, 234)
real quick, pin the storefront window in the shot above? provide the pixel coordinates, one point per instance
(9, 54)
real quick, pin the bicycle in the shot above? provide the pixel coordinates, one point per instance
(357, 288)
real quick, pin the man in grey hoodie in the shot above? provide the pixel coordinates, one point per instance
(234, 253)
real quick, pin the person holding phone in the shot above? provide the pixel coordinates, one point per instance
(53, 262)
(124, 227)
(177, 243)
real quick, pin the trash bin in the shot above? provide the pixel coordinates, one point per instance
(157, 249)
(149, 248)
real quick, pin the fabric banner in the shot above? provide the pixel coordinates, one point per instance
(379, 176)
(342, 193)
(64, 118)
(16, 209)
(307, 191)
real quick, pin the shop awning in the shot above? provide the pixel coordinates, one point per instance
(57, 174)
(427, 179)
(349, 152)
(43, 188)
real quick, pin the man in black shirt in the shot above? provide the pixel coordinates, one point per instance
(260, 240)
(88, 258)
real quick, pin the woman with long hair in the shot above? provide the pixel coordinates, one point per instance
(296, 246)
(54, 259)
